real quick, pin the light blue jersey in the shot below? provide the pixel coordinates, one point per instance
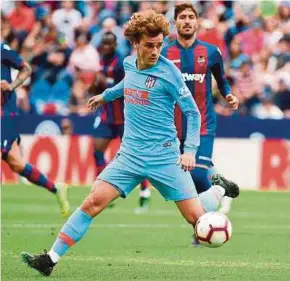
(150, 147)
(150, 96)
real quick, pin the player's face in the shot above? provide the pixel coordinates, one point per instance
(148, 50)
(186, 23)
(108, 47)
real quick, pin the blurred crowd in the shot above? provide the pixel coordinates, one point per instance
(63, 42)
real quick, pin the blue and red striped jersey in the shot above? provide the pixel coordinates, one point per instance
(9, 59)
(197, 64)
(113, 112)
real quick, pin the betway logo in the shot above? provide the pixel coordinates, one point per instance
(193, 77)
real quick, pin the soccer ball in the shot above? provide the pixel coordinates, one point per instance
(213, 229)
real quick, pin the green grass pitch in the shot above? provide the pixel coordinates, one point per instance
(153, 246)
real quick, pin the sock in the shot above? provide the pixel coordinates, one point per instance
(212, 171)
(100, 161)
(38, 178)
(72, 231)
(211, 198)
(201, 179)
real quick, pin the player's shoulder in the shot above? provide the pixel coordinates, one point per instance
(129, 62)
(210, 47)
(169, 46)
(168, 69)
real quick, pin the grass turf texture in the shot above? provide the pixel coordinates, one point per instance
(153, 246)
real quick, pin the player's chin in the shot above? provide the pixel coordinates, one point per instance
(152, 62)
(187, 34)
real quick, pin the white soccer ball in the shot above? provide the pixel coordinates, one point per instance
(213, 229)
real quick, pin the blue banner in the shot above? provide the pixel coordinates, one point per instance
(228, 127)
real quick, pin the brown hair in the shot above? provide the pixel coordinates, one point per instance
(181, 7)
(148, 23)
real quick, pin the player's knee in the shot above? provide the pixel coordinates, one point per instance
(97, 199)
(200, 178)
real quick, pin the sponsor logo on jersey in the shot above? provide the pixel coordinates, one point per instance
(193, 77)
(201, 60)
(150, 81)
(136, 96)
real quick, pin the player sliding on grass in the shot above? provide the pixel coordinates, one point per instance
(10, 138)
(150, 147)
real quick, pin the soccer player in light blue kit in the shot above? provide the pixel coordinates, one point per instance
(150, 147)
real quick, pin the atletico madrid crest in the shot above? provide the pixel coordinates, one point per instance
(150, 81)
(201, 60)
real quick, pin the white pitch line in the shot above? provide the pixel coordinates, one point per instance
(136, 226)
(170, 213)
(194, 262)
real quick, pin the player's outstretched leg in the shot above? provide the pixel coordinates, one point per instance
(33, 175)
(208, 201)
(144, 197)
(226, 202)
(200, 178)
(231, 188)
(74, 229)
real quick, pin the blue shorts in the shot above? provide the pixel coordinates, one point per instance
(9, 134)
(125, 172)
(204, 152)
(107, 131)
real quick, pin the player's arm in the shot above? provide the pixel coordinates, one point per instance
(17, 62)
(23, 74)
(178, 89)
(108, 95)
(218, 72)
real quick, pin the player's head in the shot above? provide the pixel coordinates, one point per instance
(109, 43)
(146, 31)
(186, 20)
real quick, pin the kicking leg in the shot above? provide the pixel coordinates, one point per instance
(32, 174)
(102, 193)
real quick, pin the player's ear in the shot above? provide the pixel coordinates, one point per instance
(174, 22)
(199, 19)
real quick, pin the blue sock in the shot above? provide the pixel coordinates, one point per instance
(201, 179)
(211, 198)
(38, 178)
(72, 231)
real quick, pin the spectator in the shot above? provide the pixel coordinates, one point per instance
(282, 97)
(246, 83)
(7, 33)
(110, 25)
(78, 99)
(267, 110)
(22, 20)
(66, 20)
(252, 40)
(84, 61)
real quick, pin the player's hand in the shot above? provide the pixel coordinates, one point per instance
(187, 161)
(233, 101)
(95, 102)
(5, 86)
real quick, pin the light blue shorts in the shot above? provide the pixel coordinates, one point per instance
(125, 172)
